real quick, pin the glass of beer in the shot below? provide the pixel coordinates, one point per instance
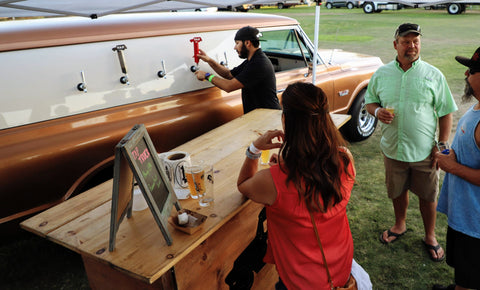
(195, 174)
(207, 197)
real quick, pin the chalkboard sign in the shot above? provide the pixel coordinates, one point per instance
(136, 154)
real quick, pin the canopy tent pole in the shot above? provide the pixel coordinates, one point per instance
(123, 9)
(315, 40)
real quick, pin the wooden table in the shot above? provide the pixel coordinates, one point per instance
(141, 258)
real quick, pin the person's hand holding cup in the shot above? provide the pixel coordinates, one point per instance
(270, 140)
(386, 117)
(390, 109)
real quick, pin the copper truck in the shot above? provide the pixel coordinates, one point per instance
(72, 87)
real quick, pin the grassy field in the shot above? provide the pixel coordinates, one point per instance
(404, 264)
(35, 263)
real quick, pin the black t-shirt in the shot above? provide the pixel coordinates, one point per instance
(259, 83)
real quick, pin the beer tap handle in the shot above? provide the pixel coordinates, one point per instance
(162, 73)
(194, 68)
(119, 49)
(83, 85)
(196, 48)
(224, 63)
(196, 51)
(124, 80)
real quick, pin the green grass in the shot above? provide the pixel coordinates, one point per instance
(444, 35)
(35, 263)
(404, 264)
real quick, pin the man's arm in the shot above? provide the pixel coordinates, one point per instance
(448, 163)
(372, 107)
(221, 70)
(227, 85)
(382, 115)
(445, 127)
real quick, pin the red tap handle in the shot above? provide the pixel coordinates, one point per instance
(195, 41)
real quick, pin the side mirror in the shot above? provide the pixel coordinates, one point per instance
(310, 69)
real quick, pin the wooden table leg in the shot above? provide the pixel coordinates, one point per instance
(104, 277)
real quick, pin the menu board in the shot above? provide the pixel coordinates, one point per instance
(136, 154)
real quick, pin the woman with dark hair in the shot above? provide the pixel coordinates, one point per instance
(313, 173)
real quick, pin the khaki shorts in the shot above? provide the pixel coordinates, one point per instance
(418, 177)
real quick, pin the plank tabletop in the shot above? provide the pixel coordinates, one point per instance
(82, 223)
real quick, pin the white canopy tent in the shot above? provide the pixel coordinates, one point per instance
(98, 8)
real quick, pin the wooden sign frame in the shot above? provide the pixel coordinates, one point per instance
(135, 156)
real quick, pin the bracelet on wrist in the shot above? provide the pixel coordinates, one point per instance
(376, 111)
(250, 155)
(206, 76)
(254, 149)
(210, 78)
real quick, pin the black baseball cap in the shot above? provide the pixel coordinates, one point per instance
(247, 33)
(473, 62)
(407, 28)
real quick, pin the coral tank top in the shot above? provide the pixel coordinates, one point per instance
(292, 244)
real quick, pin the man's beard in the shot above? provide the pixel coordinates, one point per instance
(468, 92)
(243, 52)
(411, 57)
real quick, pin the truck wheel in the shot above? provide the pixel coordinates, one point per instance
(368, 7)
(362, 124)
(280, 5)
(454, 8)
(329, 5)
(350, 5)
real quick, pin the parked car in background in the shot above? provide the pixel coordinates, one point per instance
(72, 87)
(342, 3)
(281, 4)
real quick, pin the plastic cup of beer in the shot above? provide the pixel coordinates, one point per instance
(390, 109)
(195, 174)
(265, 157)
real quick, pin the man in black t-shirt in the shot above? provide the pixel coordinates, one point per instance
(255, 76)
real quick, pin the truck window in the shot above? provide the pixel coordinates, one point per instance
(285, 49)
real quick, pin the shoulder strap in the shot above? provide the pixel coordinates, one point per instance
(321, 249)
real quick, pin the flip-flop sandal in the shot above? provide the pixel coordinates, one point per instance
(391, 234)
(435, 249)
